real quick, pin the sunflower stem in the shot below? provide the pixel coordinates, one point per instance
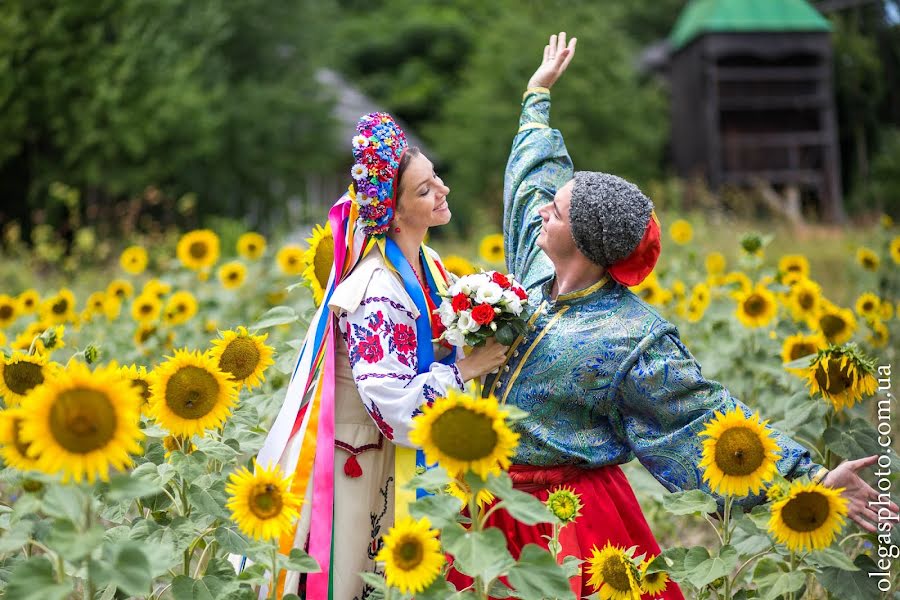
(273, 590)
(791, 595)
(88, 587)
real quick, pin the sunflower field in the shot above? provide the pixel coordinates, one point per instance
(138, 382)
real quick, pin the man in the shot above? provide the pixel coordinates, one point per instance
(603, 377)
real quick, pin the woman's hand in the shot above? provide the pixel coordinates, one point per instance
(482, 360)
(859, 494)
(557, 57)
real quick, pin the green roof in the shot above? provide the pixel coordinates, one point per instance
(706, 16)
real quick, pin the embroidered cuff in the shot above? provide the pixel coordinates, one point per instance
(820, 475)
(528, 126)
(459, 381)
(535, 90)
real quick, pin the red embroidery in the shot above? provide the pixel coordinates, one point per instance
(404, 338)
(370, 349)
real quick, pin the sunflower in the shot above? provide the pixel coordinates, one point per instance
(715, 263)
(868, 305)
(842, 375)
(651, 292)
(59, 308)
(133, 260)
(140, 379)
(190, 394)
(28, 301)
(458, 265)
(756, 308)
(700, 296)
(612, 574)
(180, 308)
(411, 555)
(120, 288)
(251, 245)
(261, 503)
(143, 333)
(463, 433)
(83, 423)
(740, 278)
(460, 490)
(198, 249)
(232, 275)
(887, 311)
(804, 300)
(654, 583)
(739, 453)
(867, 259)
(3, 339)
(146, 308)
(808, 517)
(790, 278)
(695, 311)
(679, 289)
(13, 450)
(20, 374)
(491, 248)
(242, 356)
(172, 443)
(155, 287)
(836, 324)
(565, 504)
(879, 333)
(681, 232)
(895, 250)
(8, 309)
(799, 345)
(794, 263)
(319, 258)
(96, 304)
(112, 307)
(290, 260)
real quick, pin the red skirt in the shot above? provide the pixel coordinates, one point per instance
(610, 513)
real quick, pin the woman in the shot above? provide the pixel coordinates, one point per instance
(368, 363)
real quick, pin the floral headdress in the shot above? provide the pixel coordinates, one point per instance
(377, 148)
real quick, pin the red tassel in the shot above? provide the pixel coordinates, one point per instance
(352, 468)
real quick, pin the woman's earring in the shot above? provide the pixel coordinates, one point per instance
(396, 230)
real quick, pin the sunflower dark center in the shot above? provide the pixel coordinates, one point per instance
(832, 325)
(143, 387)
(265, 501)
(867, 306)
(146, 333)
(28, 302)
(6, 311)
(755, 305)
(233, 275)
(652, 577)
(20, 377)
(806, 512)
(21, 446)
(60, 306)
(145, 309)
(408, 553)
(739, 451)
(806, 300)
(198, 250)
(614, 573)
(834, 379)
(240, 358)
(251, 247)
(192, 392)
(802, 349)
(82, 420)
(464, 434)
(794, 267)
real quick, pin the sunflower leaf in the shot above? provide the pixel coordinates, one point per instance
(301, 562)
(71, 543)
(853, 584)
(477, 553)
(855, 440)
(827, 557)
(131, 569)
(689, 502)
(785, 584)
(441, 510)
(536, 576)
(280, 315)
(705, 568)
(431, 480)
(16, 536)
(521, 506)
(140, 483)
(215, 449)
(33, 579)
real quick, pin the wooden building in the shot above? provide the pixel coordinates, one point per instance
(753, 99)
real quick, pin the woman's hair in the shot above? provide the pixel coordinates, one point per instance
(404, 162)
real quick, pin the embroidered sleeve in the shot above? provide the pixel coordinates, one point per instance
(381, 341)
(538, 166)
(664, 403)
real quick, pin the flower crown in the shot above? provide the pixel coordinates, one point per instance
(377, 149)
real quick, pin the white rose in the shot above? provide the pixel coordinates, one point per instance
(466, 323)
(455, 337)
(445, 312)
(512, 302)
(489, 293)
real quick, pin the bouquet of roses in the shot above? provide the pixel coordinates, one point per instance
(483, 305)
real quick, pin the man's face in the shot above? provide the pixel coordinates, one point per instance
(555, 237)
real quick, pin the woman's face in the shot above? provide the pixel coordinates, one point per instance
(422, 201)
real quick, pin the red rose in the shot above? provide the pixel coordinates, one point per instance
(483, 314)
(501, 280)
(461, 302)
(521, 293)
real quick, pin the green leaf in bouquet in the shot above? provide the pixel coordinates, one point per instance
(301, 562)
(506, 334)
(33, 579)
(477, 553)
(705, 569)
(536, 576)
(689, 503)
(215, 449)
(852, 584)
(431, 480)
(520, 505)
(280, 315)
(855, 440)
(73, 544)
(441, 509)
(18, 534)
(829, 557)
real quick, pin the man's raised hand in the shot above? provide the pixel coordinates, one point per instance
(557, 56)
